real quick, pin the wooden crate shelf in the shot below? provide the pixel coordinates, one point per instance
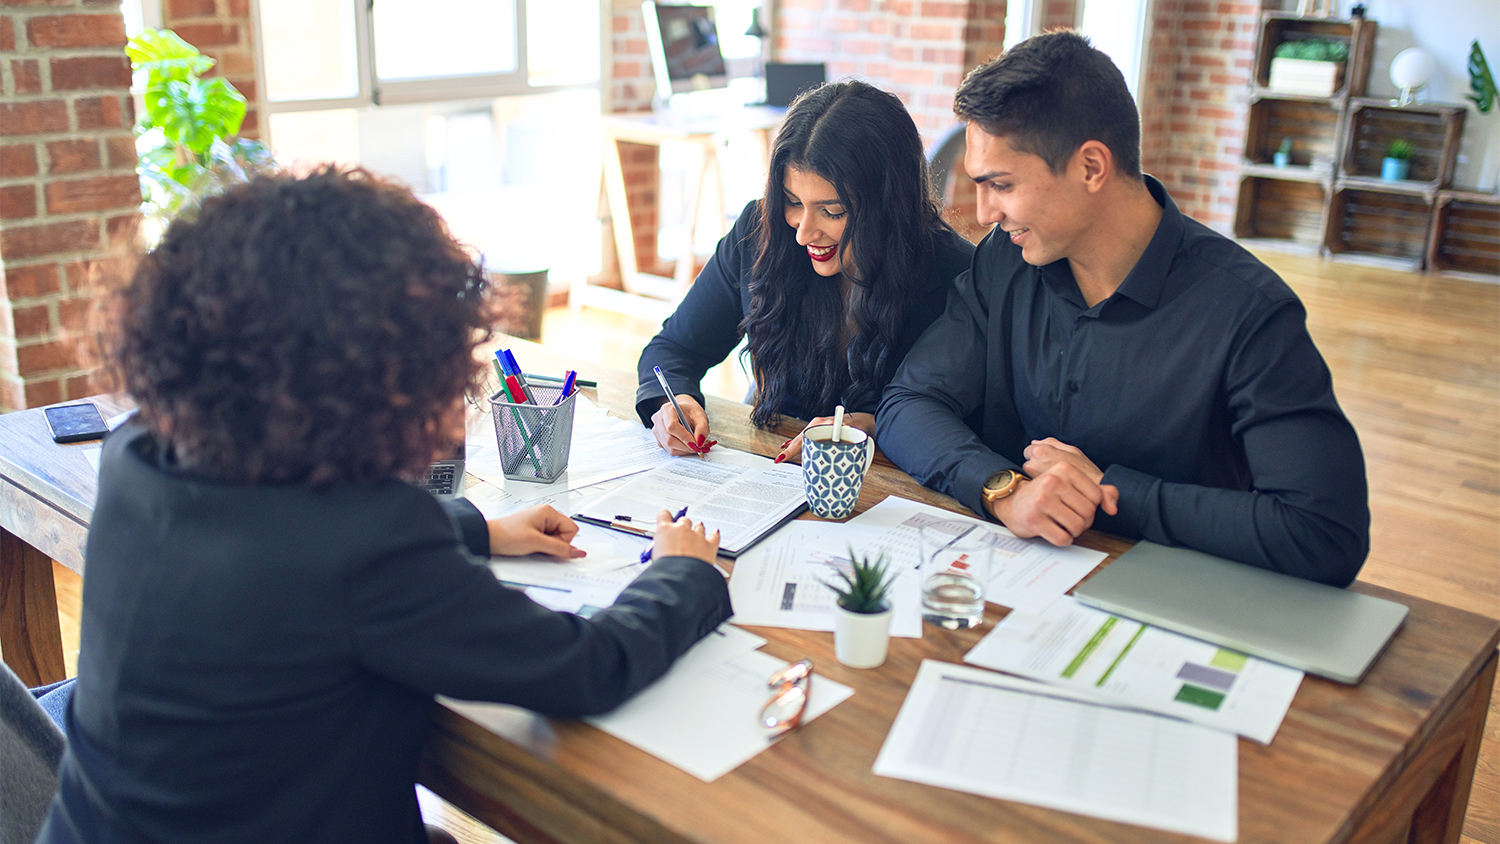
(1465, 233)
(1312, 124)
(1381, 223)
(1277, 27)
(1280, 209)
(1434, 129)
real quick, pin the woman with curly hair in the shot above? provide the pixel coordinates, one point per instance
(831, 276)
(270, 607)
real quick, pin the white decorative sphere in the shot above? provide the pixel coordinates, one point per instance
(1412, 68)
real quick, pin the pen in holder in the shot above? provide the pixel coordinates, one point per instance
(534, 439)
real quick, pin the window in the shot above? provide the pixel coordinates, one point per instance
(322, 54)
(1118, 29)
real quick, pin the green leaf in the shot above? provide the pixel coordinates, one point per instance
(1481, 81)
(863, 589)
(163, 53)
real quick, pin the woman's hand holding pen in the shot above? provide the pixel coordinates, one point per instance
(673, 437)
(538, 530)
(682, 538)
(792, 448)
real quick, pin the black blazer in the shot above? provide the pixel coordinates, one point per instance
(258, 661)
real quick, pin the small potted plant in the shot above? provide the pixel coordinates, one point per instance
(1397, 160)
(1313, 66)
(862, 617)
(1283, 156)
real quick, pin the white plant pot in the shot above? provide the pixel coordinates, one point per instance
(860, 639)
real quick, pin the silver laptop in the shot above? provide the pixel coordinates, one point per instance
(445, 478)
(1320, 629)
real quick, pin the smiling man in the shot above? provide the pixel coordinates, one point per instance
(1108, 362)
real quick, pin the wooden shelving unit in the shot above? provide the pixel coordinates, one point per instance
(1330, 198)
(1465, 233)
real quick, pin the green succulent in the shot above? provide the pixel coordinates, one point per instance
(1401, 149)
(864, 587)
(1314, 50)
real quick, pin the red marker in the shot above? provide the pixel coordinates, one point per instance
(513, 387)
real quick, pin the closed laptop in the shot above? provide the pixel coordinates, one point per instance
(1331, 632)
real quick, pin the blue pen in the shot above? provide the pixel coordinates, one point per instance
(646, 554)
(515, 369)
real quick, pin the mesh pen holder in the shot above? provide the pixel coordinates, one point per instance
(534, 439)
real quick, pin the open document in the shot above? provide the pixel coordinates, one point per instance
(783, 582)
(983, 733)
(582, 586)
(743, 496)
(1025, 573)
(1133, 664)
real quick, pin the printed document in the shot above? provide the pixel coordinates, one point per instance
(582, 586)
(1025, 574)
(782, 582)
(984, 733)
(1133, 664)
(743, 496)
(703, 715)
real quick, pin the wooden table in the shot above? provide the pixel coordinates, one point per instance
(1388, 760)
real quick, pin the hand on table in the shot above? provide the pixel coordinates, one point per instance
(681, 538)
(538, 530)
(792, 448)
(1062, 497)
(675, 439)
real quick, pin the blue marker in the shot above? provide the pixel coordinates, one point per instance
(646, 554)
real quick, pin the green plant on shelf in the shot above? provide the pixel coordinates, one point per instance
(1314, 50)
(1481, 81)
(187, 140)
(1286, 146)
(1401, 150)
(865, 586)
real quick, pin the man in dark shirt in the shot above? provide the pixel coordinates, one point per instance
(1108, 362)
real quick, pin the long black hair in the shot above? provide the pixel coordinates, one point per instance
(862, 141)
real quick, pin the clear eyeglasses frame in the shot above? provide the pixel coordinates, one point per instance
(790, 688)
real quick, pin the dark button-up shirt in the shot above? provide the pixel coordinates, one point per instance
(1195, 387)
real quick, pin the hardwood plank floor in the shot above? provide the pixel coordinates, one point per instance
(1416, 365)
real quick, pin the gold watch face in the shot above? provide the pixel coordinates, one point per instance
(1001, 484)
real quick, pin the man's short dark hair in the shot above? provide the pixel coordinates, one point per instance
(1051, 93)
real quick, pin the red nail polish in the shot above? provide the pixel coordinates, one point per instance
(700, 440)
(780, 457)
(787, 443)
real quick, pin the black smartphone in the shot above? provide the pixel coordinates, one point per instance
(73, 423)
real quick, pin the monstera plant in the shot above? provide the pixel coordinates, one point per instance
(187, 138)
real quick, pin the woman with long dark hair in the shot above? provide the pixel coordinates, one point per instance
(269, 606)
(831, 275)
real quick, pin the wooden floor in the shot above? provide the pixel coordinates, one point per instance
(1416, 365)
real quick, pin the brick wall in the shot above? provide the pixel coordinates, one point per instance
(630, 87)
(67, 185)
(222, 30)
(1194, 105)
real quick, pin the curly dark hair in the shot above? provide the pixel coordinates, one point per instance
(863, 142)
(303, 330)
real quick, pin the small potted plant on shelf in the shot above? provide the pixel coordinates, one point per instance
(1283, 155)
(862, 617)
(1397, 160)
(1313, 66)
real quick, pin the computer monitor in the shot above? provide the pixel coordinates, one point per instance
(685, 55)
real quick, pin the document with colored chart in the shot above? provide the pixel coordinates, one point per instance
(1013, 739)
(1125, 662)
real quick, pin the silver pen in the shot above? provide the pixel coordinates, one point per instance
(662, 379)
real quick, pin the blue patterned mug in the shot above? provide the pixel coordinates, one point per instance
(834, 471)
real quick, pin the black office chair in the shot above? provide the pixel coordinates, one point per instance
(31, 746)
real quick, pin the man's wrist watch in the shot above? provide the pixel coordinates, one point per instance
(1000, 485)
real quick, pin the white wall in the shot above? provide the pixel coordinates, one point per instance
(1444, 28)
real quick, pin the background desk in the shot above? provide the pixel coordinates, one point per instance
(1388, 760)
(707, 133)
